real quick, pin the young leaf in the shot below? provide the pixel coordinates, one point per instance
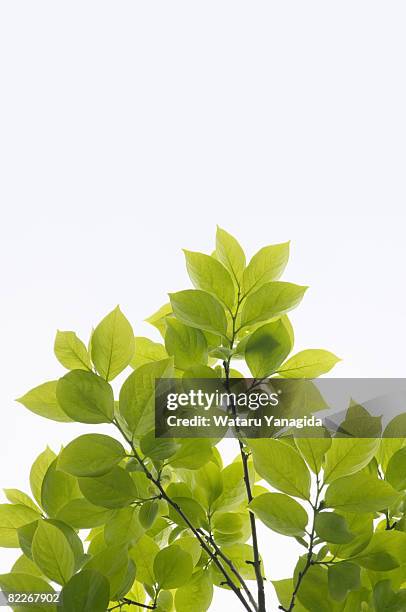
(360, 493)
(42, 400)
(271, 300)
(38, 470)
(91, 455)
(313, 592)
(347, 456)
(85, 591)
(267, 348)
(230, 253)
(332, 527)
(266, 265)
(52, 553)
(24, 565)
(310, 363)
(71, 352)
(196, 595)
(396, 470)
(13, 516)
(186, 344)
(148, 513)
(280, 513)
(112, 344)
(157, 448)
(85, 397)
(173, 567)
(281, 466)
(146, 351)
(137, 396)
(112, 490)
(342, 578)
(210, 275)
(199, 309)
(192, 454)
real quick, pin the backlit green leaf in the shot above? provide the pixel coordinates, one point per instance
(112, 490)
(52, 552)
(81, 514)
(271, 300)
(197, 595)
(347, 456)
(281, 466)
(146, 351)
(172, 567)
(26, 583)
(267, 348)
(86, 591)
(313, 451)
(360, 493)
(342, 578)
(199, 309)
(266, 265)
(71, 352)
(210, 275)
(42, 400)
(13, 516)
(38, 471)
(309, 363)
(230, 253)
(186, 344)
(112, 344)
(280, 513)
(396, 470)
(332, 527)
(91, 455)
(85, 397)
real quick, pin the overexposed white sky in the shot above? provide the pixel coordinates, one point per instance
(129, 130)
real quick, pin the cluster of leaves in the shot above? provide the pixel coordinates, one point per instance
(165, 520)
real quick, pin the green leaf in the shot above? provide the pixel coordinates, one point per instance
(280, 513)
(210, 275)
(71, 351)
(137, 396)
(148, 513)
(173, 567)
(271, 300)
(123, 528)
(38, 470)
(24, 565)
(267, 348)
(310, 363)
(230, 253)
(13, 516)
(112, 563)
(81, 514)
(199, 309)
(25, 536)
(91, 455)
(191, 545)
(361, 527)
(187, 344)
(115, 489)
(332, 527)
(281, 466)
(58, 488)
(239, 555)
(197, 595)
(266, 265)
(144, 553)
(190, 508)
(360, 493)
(157, 448)
(85, 397)
(26, 583)
(52, 552)
(313, 592)
(284, 589)
(234, 492)
(146, 351)
(208, 484)
(112, 344)
(313, 451)
(42, 400)
(385, 551)
(347, 456)
(86, 591)
(15, 496)
(158, 319)
(342, 578)
(396, 470)
(192, 454)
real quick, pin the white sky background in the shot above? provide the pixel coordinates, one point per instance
(129, 129)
